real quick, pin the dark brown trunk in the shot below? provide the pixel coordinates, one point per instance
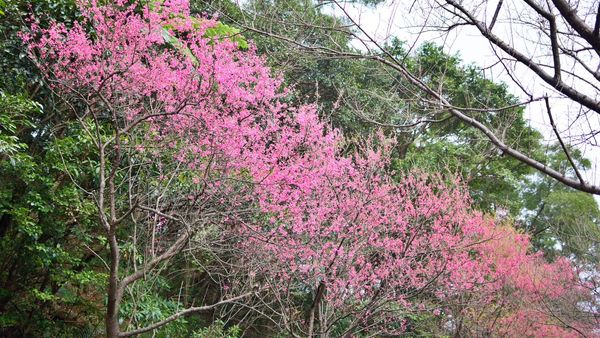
(115, 291)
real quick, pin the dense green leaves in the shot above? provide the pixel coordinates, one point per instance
(45, 225)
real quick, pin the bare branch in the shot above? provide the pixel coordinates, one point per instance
(173, 250)
(578, 24)
(560, 140)
(495, 17)
(553, 37)
(557, 84)
(185, 312)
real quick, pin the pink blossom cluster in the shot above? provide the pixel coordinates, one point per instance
(526, 295)
(199, 97)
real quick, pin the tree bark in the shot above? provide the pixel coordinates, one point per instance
(115, 291)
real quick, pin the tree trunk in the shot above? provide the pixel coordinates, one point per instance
(314, 308)
(115, 291)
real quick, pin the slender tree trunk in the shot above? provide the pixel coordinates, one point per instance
(115, 291)
(314, 308)
(311, 322)
(188, 283)
(115, 287)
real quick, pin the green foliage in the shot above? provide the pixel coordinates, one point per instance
(16, 111)
(45, 221)
(563, 221)
(218, 330)
(571, 219)
(219, 31)
(222, 30)
(146, 305)
(50, 282)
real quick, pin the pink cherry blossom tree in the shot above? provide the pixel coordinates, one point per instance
(524, 295)
(176, 117)
(369, 252)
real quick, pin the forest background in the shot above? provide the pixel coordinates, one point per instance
(56, 259)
